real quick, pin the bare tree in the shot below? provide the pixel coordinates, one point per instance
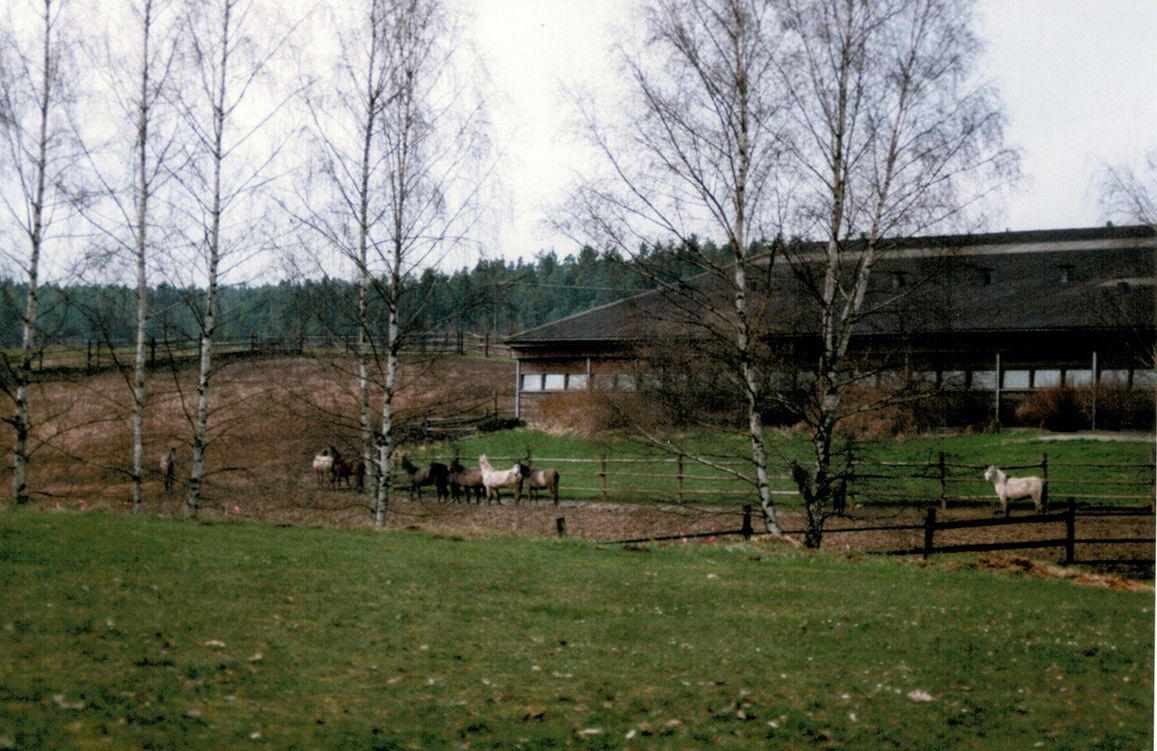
(404, 150)
(698, 154)
(1129, 192)
(137, 77)
(227, 64)
(848, 121)
(889, 134)
(39, 142)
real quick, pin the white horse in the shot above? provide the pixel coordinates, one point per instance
(323, 464)
(1015, 488)
(493, 480)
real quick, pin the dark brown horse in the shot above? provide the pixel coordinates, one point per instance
(436, 474)
(541, 479)
(469, 480)
(169, 468)
(351, 473)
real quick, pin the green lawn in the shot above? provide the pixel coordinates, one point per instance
(135, 632)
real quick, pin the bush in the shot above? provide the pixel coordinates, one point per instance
(1060, 408)
(494, 424)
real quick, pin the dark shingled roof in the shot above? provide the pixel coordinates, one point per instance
(1043, 280)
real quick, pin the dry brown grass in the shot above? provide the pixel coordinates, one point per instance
(268, 418)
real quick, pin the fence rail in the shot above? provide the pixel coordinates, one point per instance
(98, 354)
(684, 480)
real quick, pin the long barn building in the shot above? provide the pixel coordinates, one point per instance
(995, 317)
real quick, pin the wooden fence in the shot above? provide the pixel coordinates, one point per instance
(942, 483)
(95, 354)
(930, 487)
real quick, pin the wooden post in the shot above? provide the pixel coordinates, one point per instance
(929, 530)
(88, 361)
(1096, 390)
(603, 473)
(152, 351)
(560, 525)
(998, 383)
(1071, 531)
(943, 484)
(679, 477)
(1044, 475)
(747, 529)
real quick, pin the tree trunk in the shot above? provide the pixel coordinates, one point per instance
(205, 372)
(142, 277)
(21, 419)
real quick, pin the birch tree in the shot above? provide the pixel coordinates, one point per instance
(229, 44)
(405, 155)
(39, 156)
(890, 133)
(696, 153)
(137, 79)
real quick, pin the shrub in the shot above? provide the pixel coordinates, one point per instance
(1060, 408)
(494, 424)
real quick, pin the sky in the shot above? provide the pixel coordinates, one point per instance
(1078, 79)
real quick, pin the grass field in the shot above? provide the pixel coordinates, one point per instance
(136, 632)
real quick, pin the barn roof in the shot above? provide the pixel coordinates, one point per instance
(1041, 280)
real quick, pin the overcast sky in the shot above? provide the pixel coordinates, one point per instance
(1078, 77)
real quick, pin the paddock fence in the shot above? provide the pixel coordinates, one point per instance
(681, 479)
(95, 355)
(1106, 514)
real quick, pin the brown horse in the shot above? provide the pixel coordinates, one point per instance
(541, 479)
(469, 480)
(169, 468)
(351, 473)
(436, 474)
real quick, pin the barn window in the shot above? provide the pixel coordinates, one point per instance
(1079, 377)
(1114, 378)
(953, 379)
(553, 382)
(984, 379)
(532, 382)
(605, 381)
(1043, 379)
(1144, 379)
(577, 381)
(1017, 379)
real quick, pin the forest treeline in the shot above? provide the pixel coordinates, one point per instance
(496, 297)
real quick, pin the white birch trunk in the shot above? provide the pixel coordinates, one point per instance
(205, 372)
(21, 420)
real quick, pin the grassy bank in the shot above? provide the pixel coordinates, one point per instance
(133, 632)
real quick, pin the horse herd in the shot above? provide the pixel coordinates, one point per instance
(458, 482)
(450, 482)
